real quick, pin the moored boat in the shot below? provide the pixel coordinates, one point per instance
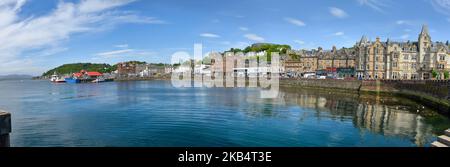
(56, 78)
(72, 80)
(98, 80)
(60, 80)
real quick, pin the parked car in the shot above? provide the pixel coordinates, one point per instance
(322, 77)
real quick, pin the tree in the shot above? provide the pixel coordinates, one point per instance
(76, 67)
(446, 75)
(434, 73)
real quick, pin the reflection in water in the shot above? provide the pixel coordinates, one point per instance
(388, 121)
(153, 113)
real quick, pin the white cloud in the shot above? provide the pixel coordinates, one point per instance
(243, 28)
(295, 21)
(209, 35)
(377, 5)
(405, 36)
(122, 53)
(121, 46)
(405, 22)
(340, 33)
(235, 44)
(442, 6)
(116, 52)
(240, 45)
(339, 13)
(401, 22)
(254, 37)
(300, 42)
(21, 34)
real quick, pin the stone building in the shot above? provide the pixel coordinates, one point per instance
(301, 62)
(402, 60)
(126, 69)
(342, 58)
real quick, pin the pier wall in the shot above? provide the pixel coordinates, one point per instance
(432, 93)
(353, 85)
(5, 128)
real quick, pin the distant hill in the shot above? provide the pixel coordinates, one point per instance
(259, 47)
(15, 77)
(76, 67)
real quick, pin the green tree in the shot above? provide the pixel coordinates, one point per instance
(76, 67)
(434, 73)
(446, 75)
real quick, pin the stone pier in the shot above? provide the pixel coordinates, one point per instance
(443, 140)
(5, 128)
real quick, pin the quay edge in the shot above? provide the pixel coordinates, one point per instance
(5, 128)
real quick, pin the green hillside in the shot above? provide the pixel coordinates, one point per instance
(71, 68)
(258, 47)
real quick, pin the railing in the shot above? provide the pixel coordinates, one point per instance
(5, 128)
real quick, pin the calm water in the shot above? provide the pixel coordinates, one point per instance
(153, 113)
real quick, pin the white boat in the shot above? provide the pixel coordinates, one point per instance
(60, 80)
(98, 80)
(56, 78)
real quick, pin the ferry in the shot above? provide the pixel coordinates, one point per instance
(55, 78)
(72, 80)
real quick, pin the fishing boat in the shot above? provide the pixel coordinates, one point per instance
(86, 77)
(72, 80)
(53, 78)
(56, 78)
(60, 80)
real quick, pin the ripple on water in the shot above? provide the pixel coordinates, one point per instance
(152, 113)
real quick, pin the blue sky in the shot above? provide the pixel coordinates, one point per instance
(39, 35)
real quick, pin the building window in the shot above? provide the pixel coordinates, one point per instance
(405, 76)
(376, 67)
(394, 64)
(413, 57)
(414, 66)
(394, 75)
(442, 57)
(406, 57)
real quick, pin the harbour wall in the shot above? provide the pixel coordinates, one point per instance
(5, 128)
(431, 93)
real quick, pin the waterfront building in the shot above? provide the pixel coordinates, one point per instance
(300, 62)
(403, 60)
(342, 58)
(126, 69)
(420, 60)
(242, 65)
(319, 61)
(149, 70)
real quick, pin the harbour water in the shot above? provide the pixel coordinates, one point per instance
(153, 113)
